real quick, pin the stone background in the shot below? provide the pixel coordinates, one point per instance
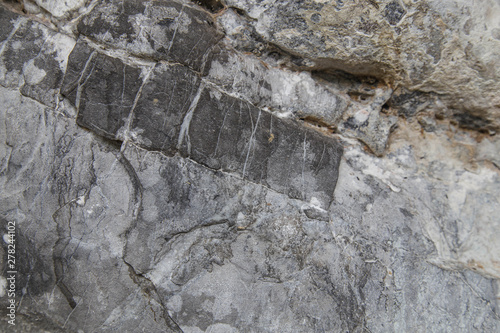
(251, 166)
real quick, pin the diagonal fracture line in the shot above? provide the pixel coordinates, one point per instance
(251, 141)
(178, 18)
(128, 124)
(184, 132)
(17, 24)
(80, 85)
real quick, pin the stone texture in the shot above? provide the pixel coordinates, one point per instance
(280, 91)
(448, 48)
(163, 30)
(64, 238)
(164, 101)
(252, 256)
(459, 178)
(154, 196)
(239, 138)
(330, 103)
(60, 9)
(32, 57)
(103, 90)
(171, 111)
(137, 233)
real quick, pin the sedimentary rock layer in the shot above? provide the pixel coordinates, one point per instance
(168, 108)
(171, 169)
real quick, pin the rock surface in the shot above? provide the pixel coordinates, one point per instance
(162, 30)
(177, 168)
(200, 122)
(450, 48)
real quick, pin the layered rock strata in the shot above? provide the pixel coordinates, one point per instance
(173, 166)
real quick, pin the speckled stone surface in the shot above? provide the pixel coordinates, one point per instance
(226, 183)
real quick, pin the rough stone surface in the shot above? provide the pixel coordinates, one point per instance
(262, 148)
(32, 57)
(169, 110)
(103, 90)
(241, 187)
(165, 99)
(447, 47)
(163, 30)
(341, 104)
(60, 9)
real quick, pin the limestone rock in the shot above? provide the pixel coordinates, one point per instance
(139, 234)
(210, 127)
(162, 30)
(32, 57)
(344, 105)
(226, 189)
(103, 90)
(60, 9)
(448, 48)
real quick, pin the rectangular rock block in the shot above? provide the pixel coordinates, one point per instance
(162, 30)
(102, 88)
(173, 110)
(165, 99)
(227, 133)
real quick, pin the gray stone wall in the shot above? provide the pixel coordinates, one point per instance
(241, 166)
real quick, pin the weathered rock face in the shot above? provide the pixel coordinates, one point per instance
(450, 48)
(168, 169)
(159, 30)
(172, 110)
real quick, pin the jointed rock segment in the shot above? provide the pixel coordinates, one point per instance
(161, 30)
(169, 108)
(158, 182)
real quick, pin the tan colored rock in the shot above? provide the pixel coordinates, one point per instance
(451, 48)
